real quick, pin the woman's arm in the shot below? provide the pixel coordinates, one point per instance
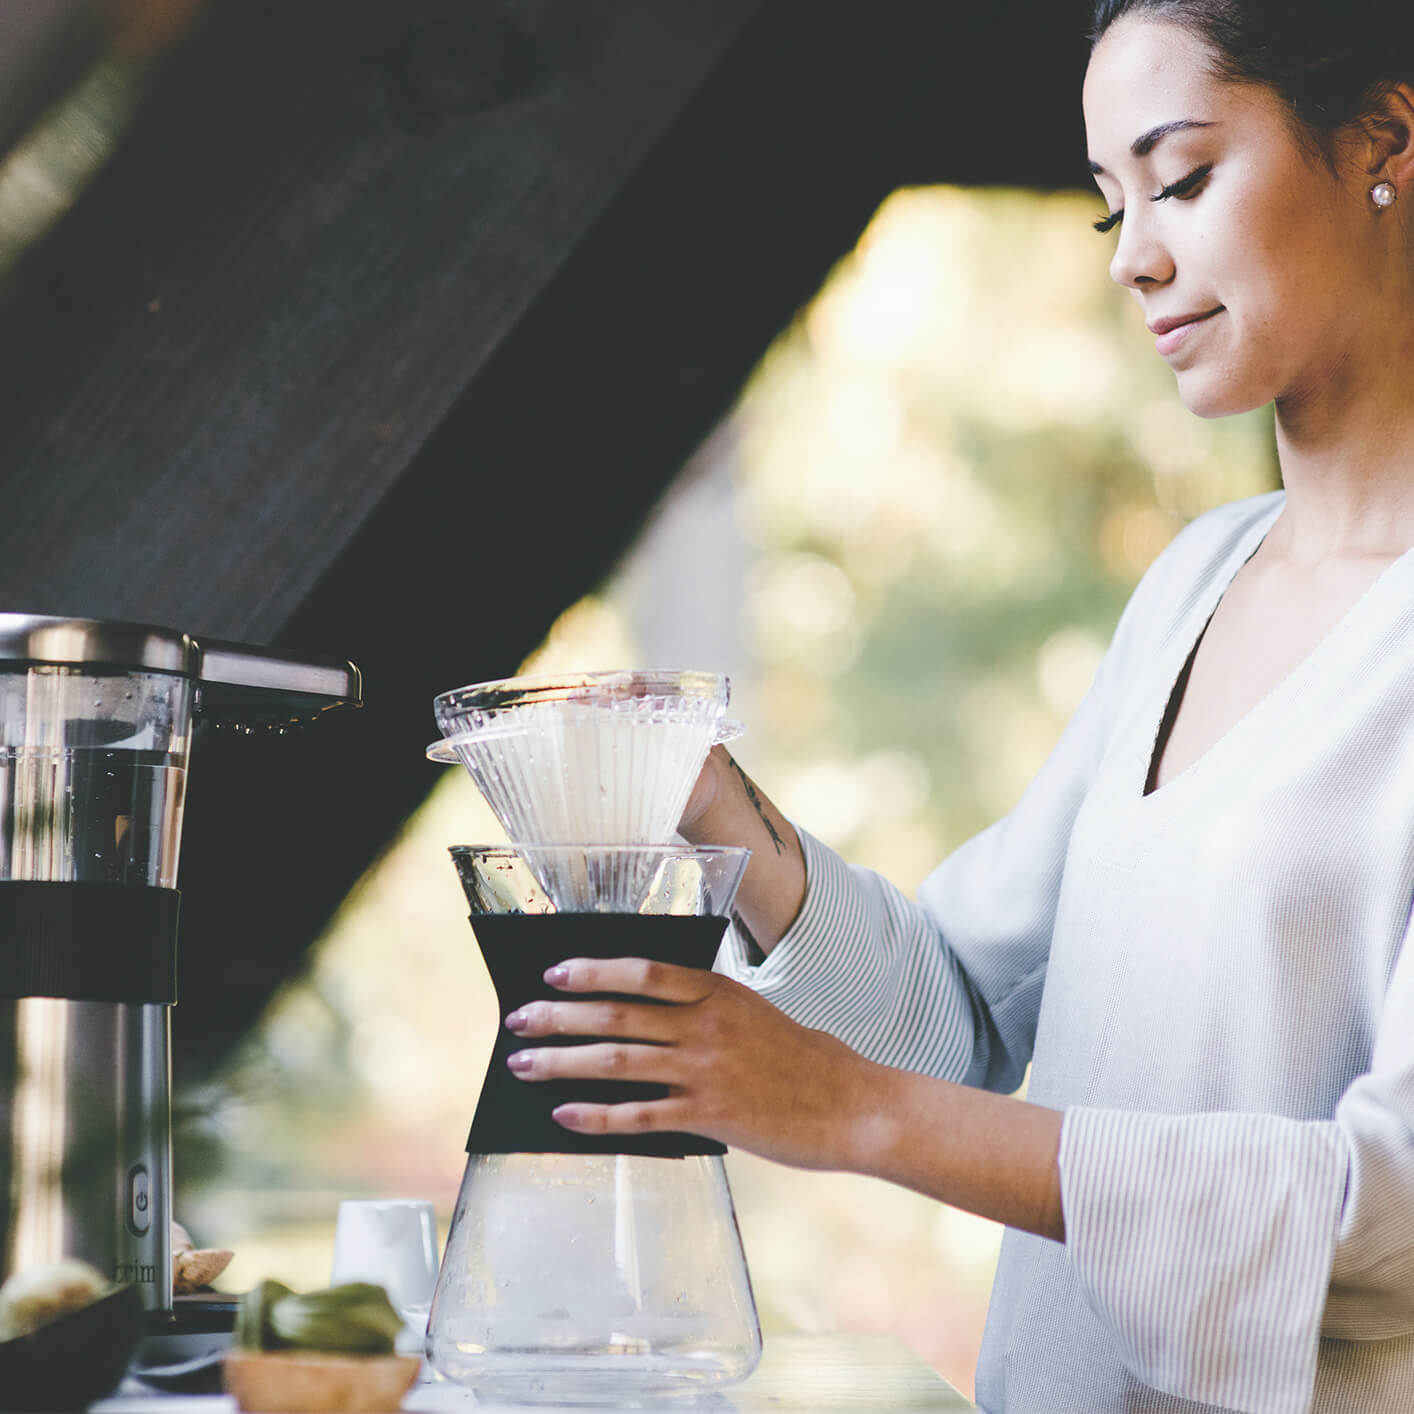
(740, 1071)
(726, 808)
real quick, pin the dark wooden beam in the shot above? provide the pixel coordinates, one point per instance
(386, 328)
(324, 228)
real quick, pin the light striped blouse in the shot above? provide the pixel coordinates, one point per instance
(1211, 982)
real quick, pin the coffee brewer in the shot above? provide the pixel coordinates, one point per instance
(591, 1269)
(95, 734)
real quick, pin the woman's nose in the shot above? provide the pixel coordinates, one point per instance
(1140, 258)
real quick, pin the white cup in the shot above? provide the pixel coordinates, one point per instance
(392, 1242)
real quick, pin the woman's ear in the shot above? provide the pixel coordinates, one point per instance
(1389, 135)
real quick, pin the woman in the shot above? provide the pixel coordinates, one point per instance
(1194, 921)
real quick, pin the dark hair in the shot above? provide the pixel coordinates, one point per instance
(1330, 60)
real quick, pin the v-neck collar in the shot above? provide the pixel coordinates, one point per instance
(1158, 711)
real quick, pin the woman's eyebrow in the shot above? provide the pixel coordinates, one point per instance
(1145, 143)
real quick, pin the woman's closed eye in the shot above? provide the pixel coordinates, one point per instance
(1184, 188)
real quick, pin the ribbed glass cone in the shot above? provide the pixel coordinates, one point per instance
(602, 758)
(575, 878)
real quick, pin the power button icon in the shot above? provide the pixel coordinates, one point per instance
(139, 1200)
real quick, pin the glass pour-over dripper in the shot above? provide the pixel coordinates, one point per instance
(587, 1269)
(587, 758)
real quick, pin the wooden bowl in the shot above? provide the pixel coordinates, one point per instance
(69, 1362)
(308, 1382)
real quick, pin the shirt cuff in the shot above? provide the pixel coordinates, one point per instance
(824, 909)
(1204, 1242)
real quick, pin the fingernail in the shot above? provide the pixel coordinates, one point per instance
(558, 975)
(520, 1062)
(518, 1020)
(566, 1115)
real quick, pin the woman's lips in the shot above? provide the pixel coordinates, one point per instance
(1170, 333)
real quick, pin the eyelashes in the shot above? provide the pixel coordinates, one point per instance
(1184, 187)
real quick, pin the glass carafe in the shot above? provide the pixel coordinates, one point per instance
(590, 1269)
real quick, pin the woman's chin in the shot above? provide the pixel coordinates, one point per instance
(1206, 395)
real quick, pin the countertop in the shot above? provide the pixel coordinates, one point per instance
(798, 1374)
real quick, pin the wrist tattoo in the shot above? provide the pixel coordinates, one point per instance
(760, 807)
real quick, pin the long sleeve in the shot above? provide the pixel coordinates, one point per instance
(1372, 1274)
(1204, 1242)
(948, 985)
(1221, 1247)
(866, 964)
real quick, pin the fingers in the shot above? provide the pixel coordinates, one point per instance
(635, 1021)
(635, 975)
(603, 1060)
(629, 1118)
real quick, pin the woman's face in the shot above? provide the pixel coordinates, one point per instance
(1246, 252)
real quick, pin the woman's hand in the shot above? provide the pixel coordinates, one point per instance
(740, 1071)
(737, 1069)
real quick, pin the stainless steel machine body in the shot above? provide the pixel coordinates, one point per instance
(95, 738)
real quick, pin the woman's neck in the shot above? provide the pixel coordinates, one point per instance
(1347, 458)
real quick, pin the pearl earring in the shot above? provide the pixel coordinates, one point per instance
(1383, 194)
